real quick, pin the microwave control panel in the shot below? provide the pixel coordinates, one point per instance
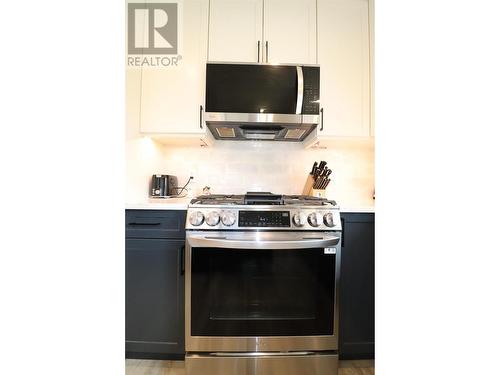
(310, 104)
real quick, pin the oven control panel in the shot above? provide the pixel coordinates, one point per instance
(296, 219)
(273, 219)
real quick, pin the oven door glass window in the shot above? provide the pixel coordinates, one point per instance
(237, 292)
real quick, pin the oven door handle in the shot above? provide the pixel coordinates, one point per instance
(260, 354)
(255, 243)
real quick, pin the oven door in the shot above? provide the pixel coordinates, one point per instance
(262, 291)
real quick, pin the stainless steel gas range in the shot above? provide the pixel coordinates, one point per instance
(262, 274)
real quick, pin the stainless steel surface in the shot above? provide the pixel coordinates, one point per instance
(254, 63)
(195, 218)
(262, 355)
(239, 131)
(258, 354)
(313, 219)
(300, 90)
(328, 220)
(317, 364)
(253, 118)
(262, 240)
(263, 126)
(287, 200)
(213, 218)
(228, 219)
(310, 119)
(299, 219)
(259, 343)
(295, 133)
(234, 209)
(264, 118)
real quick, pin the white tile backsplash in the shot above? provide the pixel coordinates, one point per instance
(238, 167)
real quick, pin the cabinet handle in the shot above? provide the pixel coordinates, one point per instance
(258, 51)
(201, 117)
(137, 224)
(183, 262)
(321, 128)
(267, 51)
(343, 231)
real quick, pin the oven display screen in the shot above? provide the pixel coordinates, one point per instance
(264, 219)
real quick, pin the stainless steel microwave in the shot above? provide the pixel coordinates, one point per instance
(261, 101)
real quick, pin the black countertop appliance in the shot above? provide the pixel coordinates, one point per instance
(163, 185)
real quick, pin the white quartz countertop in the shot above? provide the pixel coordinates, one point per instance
(182, 203)
(360, 209)
(160, 204)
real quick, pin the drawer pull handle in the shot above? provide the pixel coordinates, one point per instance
(137, 224)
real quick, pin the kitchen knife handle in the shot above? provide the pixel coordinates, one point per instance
(258, 51)
(201, 117)
(267, 51)
(321, 128)
(313, 170)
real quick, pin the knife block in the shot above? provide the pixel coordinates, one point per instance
(318, 193)
(309, 185)
(308, 189)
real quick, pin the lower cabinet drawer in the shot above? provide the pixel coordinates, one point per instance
(155, 224)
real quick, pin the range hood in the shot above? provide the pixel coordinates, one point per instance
(262, 101)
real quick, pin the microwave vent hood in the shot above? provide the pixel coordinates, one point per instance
(265, 102)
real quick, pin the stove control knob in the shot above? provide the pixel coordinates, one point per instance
(299, 219)
(196, 218)
(228, 219)
(314, 219)
(328, 220)
(213, 218)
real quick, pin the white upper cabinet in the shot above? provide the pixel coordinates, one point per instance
(171, 96)
(274, 31)
(290, 31)
(235, 30)
(344, 57)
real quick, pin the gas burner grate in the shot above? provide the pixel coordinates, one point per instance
(219, 199)
(306, 200)
(257, 198)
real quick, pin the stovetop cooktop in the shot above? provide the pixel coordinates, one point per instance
(261, 198)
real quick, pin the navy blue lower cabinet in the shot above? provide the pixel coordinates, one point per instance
(357, 288)
(154, 298)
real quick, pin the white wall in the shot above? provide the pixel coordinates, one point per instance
(238, 167)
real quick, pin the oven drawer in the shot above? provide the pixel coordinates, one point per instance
(262, 364)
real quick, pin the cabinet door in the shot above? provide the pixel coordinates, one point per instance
(290, 31)
(357, 288)
(154, 297)
(344, 57)
(235, 31)
(171, 96)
